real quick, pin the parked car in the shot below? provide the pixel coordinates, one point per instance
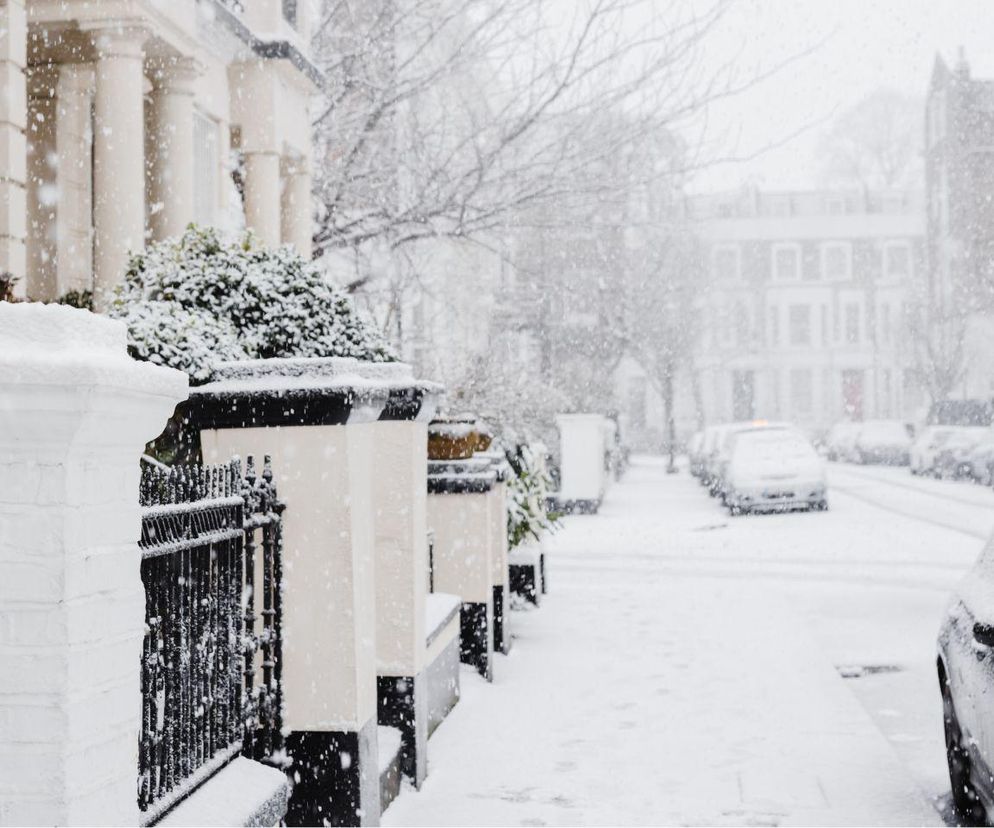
(952, 459)
(966, 682)
(982, 461)
(840, 441)
(924, 449)
(709, 449)
(727, 442)
(774, 470)
(883, 441)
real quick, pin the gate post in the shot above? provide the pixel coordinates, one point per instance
(75, 414)
(320, 417)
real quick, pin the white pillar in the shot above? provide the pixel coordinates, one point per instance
(171, 142)
(581, 457)
(262, 195)
(74, 144)
(118, 157)
(13, 116)
(296, 209)
(77, 412)
(42, 184)
(400, 495)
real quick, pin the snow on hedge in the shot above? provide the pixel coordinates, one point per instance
(202, 299)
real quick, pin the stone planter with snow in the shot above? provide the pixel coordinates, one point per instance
(459, 515)
(321, 416)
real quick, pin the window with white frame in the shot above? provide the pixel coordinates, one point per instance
(725, 263)
(206, 160)
(774, 326)
(897, 261)
(836, 261)
(786, 262)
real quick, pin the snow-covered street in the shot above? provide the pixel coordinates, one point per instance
(693, 668)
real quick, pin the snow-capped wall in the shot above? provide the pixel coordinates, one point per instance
(75, 413)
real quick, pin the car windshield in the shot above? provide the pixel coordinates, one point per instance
(778, 445)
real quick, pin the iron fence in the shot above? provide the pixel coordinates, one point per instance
(201, 704)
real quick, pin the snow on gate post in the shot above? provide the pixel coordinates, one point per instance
(75, 414)
(320, 418)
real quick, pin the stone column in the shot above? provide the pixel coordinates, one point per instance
(262, 195)
(42, 185)
(459, 516)
(171, 163)
(74, 144)
(498, 545)
(118, 157)
(76, 413)
(317, 419)
(13, 117)
(297, 218)
(400, 492)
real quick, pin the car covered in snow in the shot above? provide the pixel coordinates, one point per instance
(966, 683)
(840, 442)
(952, 458)
(774, 469)
(728, 436)
(882, 441)
(926, 446)
(982, 460)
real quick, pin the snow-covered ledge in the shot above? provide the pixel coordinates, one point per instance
(75, 413)
(322, 419)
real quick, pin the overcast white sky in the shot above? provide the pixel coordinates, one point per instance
(871, 43)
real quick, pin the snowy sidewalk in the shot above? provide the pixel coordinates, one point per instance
(640, 696)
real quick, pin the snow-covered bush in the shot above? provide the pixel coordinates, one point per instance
(201, 299)
(527, 517)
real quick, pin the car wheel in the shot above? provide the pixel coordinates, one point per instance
(968, 807)
(822, 506)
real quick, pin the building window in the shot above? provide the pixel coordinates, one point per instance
(774, 327)
(800, 324)
(636, 402)
(205, 168)
(897, 261)
(885, 323)
(725, 264)
(824, 325)
(786, 262)
(801, 394)
(852, 322)
(835, 206)
(836, 261)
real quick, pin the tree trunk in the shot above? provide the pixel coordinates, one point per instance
(670, 419)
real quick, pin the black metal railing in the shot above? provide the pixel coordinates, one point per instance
(201, 706)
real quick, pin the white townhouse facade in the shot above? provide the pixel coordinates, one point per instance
(806, 310)
(121, 121)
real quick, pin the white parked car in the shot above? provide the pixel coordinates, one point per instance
(841, 440)
(729, 434)
(883, 441)
(774, 470)
(925, 448)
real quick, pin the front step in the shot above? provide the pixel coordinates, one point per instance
(389, 744)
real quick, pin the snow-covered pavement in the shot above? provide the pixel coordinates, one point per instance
(687, 666)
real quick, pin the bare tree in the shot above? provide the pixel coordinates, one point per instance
(664, 316)
(876, 144)
(452, 118)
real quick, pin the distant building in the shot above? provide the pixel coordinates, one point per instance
(805, 314)
(959, 178)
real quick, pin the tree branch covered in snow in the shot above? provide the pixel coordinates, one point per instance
(451, 118)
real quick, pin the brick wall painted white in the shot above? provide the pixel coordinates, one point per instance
(75, 412)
